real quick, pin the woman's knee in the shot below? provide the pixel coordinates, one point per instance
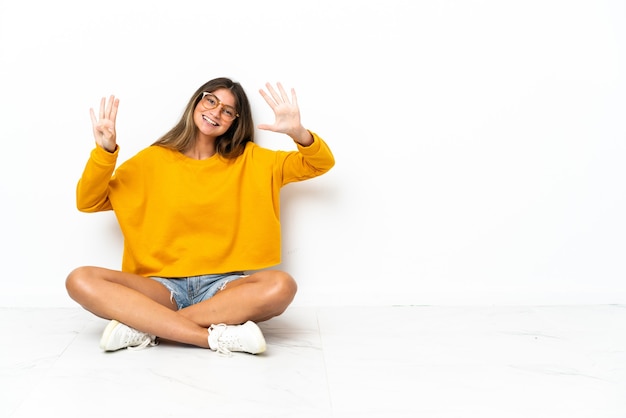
(282, 287)
(78, 281)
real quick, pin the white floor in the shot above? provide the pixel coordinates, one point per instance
(482, 362)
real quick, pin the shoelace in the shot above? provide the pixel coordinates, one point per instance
(142, 338)
(224, 342)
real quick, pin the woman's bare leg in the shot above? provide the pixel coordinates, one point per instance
(145, 304)
(136, 301)
(258, 297)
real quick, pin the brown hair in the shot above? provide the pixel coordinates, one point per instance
(233, 142)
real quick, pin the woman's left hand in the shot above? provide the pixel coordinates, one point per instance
(287, 114)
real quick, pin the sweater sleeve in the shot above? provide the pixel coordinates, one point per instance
(92, 191)
(308, 162)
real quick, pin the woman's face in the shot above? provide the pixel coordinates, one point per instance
(214, 113)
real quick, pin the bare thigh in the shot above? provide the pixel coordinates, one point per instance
(258, 297)
(89, 282)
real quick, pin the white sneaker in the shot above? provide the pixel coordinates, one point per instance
(117, 336)
(227, 338)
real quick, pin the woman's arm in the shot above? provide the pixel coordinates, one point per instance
(93, 186)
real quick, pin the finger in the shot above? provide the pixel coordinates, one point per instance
(294, 99)
(273, 92)
(94, 121)
(114, 107)
(283, 93)
(107, 111)
(267, 98)
(102, 106)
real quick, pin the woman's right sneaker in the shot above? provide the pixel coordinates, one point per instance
(117, 336)
(247, 338)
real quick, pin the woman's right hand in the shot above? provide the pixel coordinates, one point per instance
(104, 126)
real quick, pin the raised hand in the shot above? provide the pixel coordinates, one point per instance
(287, 114)
(104, 126)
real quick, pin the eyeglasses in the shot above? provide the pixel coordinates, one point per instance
(210, 101)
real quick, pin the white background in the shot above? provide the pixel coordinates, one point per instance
(480, 144)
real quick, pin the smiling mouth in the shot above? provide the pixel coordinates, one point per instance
(210, 121)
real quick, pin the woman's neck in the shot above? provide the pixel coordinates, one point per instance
(201, 149)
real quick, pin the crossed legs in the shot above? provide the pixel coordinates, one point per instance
(145, 305)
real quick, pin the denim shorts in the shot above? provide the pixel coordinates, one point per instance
(187, 291)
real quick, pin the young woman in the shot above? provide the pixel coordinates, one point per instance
(197, 209)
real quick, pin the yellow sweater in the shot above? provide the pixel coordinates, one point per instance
(183, 217)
